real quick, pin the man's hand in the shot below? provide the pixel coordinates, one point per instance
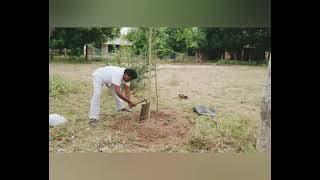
(127, 99)
(131, 104)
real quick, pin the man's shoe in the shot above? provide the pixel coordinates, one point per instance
(93, 122)
(125, 110)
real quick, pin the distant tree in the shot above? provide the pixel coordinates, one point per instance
(76, 38)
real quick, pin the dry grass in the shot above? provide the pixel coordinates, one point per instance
(233, 91)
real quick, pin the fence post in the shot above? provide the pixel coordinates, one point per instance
(264, 134)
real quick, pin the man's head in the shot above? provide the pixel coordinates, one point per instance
(129, 74)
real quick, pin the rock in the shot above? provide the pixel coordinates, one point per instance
(56, 120)
(104, 149)
(59, 150)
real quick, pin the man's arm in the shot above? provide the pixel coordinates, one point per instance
(118, 92)
(127, 91)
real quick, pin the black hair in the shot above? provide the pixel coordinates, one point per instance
(131, 72)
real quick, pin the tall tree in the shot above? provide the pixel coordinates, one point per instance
(139, 38)
(211, 41)
(76, 38)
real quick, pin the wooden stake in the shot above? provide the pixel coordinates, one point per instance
(145, 111)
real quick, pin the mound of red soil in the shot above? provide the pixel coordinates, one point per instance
(161, 125)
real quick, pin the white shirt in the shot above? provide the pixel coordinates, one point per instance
(111, 75)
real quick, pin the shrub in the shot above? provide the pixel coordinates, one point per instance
(245, 63)
(58, 86)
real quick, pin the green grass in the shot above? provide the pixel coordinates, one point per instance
(73, 60)
(58, 86)
(169, 61)
(244, 63)
(228, 131)
(71, 99)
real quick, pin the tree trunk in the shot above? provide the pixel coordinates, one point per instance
(238, 55)
(51, 29)
(242, 54)
(86, 46)
(150, 65)
(65, 52)
(264, 135)
(231, 55)
(223, 55)
(269, 55)
(196, 56)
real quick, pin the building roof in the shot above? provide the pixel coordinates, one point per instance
(118, 41)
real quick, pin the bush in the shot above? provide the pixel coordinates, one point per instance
(69, 60)
(142, 70)
(58, 86)
(56, 44)
(100, 59)
(112, 62)
(245, 63)
(125, 58)
(75, 60)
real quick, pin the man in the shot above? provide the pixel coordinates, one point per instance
(112, 77)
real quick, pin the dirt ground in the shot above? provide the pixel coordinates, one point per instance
(237, 88)
(80, 72)
(227, 89)
(163, 126)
